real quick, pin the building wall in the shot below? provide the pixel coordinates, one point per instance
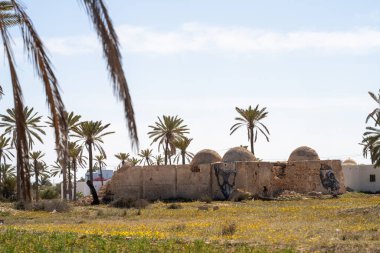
(357, 177)
(259, 178)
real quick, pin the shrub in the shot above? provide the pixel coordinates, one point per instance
(49, 193)
(79, 195)
(21, 205)
(206, 198)
(229, 229)
(174, 206)
(51, 205)
(125, 202)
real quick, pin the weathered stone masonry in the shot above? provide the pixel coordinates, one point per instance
(259, 178)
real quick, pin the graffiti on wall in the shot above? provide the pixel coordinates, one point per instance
(226, 175)
(328, 179)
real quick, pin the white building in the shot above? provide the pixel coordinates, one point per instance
(362, 178)
(82, 186)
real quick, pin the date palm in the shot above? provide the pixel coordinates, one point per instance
(122, 157)
(184, 155)
(99, 162)
(75, 160)
(32, 129)
(5, 150)
(33, 124)
(6, 171)
(72, 121)
(12, 13)
(158, 160)
(375, 114)
(251, 118)
(371, 143)
(166, 131)
(134, 161)
(37, 166)
(146, 156)
(90, 134)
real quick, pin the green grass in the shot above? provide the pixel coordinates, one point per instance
(22, 241)
(350, 223)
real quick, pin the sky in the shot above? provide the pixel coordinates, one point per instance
(311, 63)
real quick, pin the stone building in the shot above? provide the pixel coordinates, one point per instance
(216, 177)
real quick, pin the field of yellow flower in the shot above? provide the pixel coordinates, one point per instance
(350, 223)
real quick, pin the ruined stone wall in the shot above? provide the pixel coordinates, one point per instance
(259, 178)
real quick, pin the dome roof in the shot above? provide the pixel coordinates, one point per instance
(205, 156)
(238, 154)
(349, 161)
(303, 154)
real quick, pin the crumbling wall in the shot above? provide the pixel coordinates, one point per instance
(304, 176)
(259, 178)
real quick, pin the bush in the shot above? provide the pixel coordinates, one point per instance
(125, 202)
(174, 206)
(206, 198)
(229, 229)
(21, 205)
(51, 205)
(49, 193)
(79, 195)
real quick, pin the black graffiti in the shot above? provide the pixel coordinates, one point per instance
(225, 178)
(328, 179)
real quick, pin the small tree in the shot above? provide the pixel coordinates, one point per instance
(38, 167)
(251, 118)
(122, 157)
(183, 154)
(99, 163)
(166, 131)
(146, 156)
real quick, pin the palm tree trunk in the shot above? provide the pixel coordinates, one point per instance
(70, 181)
(252, 138)
(90, 182)
(36, 174)
(18, 177)
(1, 183)
(64, 171)
(166, 151)
(101, 173)
(75, 178)
(90, 162)
(183, 157)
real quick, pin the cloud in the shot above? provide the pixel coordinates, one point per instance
(195, 37)
(72, 45)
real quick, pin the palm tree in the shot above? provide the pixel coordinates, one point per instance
(182, 145)
(37, 166)
(122, 157)
(251, 119)
(146, 156)
(91, 134)
(371, 143)
(72, 121)
(31, 130)
(166, 131)
(76, 159)
(5, 148)
(99, 162)
(6, 171)
(158, 159)
(375, 114)
(32, 123)
(14, 14)
(134, 161)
